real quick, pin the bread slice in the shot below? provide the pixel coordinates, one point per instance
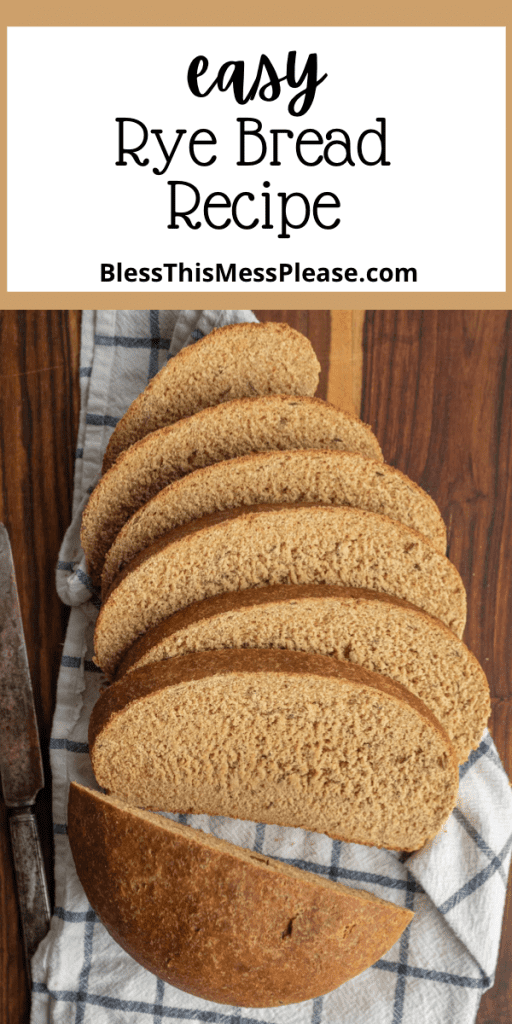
(327, 477)
(231, 362)
(280, 737)
(266, 545)
(224, 432)
(218, 921)
(379, 632)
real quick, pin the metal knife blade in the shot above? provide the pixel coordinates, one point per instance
(21, 768)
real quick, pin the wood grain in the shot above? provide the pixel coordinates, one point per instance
(39, 407)
(345, 381)
(437, 389)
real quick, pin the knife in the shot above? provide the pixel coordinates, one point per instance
(21, 768)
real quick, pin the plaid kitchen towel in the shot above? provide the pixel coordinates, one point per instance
(456, 885)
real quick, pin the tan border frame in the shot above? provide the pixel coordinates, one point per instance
(156, 12)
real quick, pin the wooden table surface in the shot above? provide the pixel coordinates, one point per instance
(437, 389)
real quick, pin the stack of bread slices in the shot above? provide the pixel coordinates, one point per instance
(282, 631)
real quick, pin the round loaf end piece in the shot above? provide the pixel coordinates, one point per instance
(220, 922)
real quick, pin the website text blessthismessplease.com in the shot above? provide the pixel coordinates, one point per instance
(224, 273)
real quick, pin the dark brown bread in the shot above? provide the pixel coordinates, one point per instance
(226, 431)
(376, 631)
(232, 362)
(281, 737)
(267, 545)
(311, 475)
(218, 921)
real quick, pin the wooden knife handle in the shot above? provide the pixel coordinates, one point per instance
(33, 898)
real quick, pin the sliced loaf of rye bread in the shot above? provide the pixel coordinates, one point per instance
(226, 431)
(267, 545)
(220, 922)
(280, 737)
(231, 362)
(326, 477)
(378, 632)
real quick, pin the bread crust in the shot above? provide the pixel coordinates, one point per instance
(217, 921)
(447, 602)
(220, 432)
(275, 356)
(235, 601)
(315, 475)
(148, 681)
(190, 667)
(463, 714)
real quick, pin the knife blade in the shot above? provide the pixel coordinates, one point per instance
(21, 768)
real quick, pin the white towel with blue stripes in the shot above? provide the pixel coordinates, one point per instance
(456, 885)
